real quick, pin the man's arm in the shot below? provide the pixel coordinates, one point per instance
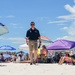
(39, 39)
(27, 41)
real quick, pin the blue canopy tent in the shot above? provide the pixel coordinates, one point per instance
(7, 47)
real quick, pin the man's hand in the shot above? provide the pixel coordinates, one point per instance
(39, 42)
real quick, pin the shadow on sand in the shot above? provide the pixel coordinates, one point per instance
(3, 65)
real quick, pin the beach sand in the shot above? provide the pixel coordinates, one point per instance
(39, 69)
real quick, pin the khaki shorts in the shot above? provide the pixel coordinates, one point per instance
(33, 45)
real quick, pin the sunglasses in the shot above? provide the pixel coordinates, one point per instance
(32, 24)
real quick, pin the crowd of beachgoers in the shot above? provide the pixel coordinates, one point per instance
(43, 56)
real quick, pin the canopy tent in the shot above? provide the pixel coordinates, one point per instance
(3, 29)
(61, 45)
(7, 47)
(23, 47)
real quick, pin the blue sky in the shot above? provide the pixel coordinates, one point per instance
(54, 19)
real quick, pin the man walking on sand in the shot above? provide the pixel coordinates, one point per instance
(32, 37)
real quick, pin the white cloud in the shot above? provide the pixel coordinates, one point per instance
(59, 21)
(10, 16)
(72, 38)
(14, 40)
(67, 17)
(69, 29)
(70, 8)
(17, 40)
(68, 21)
(70, 32)
(61, 24)
(63, 19)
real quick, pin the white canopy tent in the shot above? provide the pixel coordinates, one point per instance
(23, 47)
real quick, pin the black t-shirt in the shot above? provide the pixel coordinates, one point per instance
(33, 34)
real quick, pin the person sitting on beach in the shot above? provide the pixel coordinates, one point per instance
(44, 53)
(14, 58)
(2, 58)
(21, 54)
(66, 59)
(23, 57)
(39, 54)
(57, 57)
(27, 57)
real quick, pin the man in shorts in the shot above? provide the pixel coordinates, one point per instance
(32, 37)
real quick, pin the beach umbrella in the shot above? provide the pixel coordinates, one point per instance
(23, 47)
(7, 47)
(3, 29)
(61, 45)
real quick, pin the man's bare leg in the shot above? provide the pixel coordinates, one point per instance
(35, 56)
(31, 57)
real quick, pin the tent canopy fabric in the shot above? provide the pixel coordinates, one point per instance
(23, 47)
(61, 45)
(3, 29)
(6, 47)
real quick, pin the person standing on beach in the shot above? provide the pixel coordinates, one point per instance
(32, 37)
